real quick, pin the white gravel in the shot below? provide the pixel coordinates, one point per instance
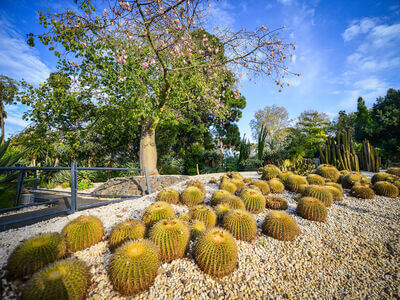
(354, 254)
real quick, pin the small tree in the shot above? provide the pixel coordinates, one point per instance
(155, 56)
(8, 89)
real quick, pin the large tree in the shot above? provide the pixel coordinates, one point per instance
(362, 121)
(144, 54)
(8, 89)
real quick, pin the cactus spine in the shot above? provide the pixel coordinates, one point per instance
(241, 224)
(124, 231)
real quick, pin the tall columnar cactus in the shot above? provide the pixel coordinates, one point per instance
(171, 237)
(269, 171)
(328, 172)
(168, 195)
(241, 224)
(205, 214)
(263, 186)
(156, 212)
(192, 196)
(134, 266)
(362, 192)
(197, 184)
(315, 179)
(64, 279)
(276, 202)
(368, 157)
(83, 232)
(319, 192)
(281, 226)
(312, 209)
(386, 189)
(276, 186)
(216, 252)
(228, 186)
(253, 200)
(124, 231)
(217, 196)
(394, 171)
(293, 182)
(233, 201)
(33, 254)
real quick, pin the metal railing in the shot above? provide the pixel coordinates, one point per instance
(74, 200)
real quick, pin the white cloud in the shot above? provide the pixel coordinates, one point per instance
(17, 59)
(286, 2)
(357, 28)
(17, 121)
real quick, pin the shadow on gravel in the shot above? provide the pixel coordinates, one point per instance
(366, 211)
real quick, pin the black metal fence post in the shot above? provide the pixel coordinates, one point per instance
(147, 181)
(20, 184)
(73, 187)
(35, 182)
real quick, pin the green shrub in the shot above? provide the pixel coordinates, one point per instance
(250, 164)
(84, 184)
(66, 184)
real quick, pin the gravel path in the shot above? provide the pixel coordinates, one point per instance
(355, 254)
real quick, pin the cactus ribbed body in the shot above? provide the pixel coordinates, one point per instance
(337, 195)
(124, 231)
(276, 186)
(363, 192)
(192, 196)
(315, 179)
(386, 189)
(394, 171)
(240, 224)
(65, 279)
(336, 185)
(221, 210)
(228, 186)
(312, 209)
(262, 185)
(184, 217)
(239, 183)
(205, 214)
(216, 252)
(276, 202)
(83, 232)
(168, 195)
(281, 226)
(171, 237)
(197, 228)
(247, 180)
(134, 266)
(233, 202)
(350, 179)
(319, 192)
(156, 212)
(293, 182)
(197, 184)
(253, 201)
(379, 177)
(284, 175)
(33, 254)
(216, 197)
(328, 171)
(269, 171)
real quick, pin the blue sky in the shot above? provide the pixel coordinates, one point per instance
(345, 49)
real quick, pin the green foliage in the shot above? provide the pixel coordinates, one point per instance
(124, 231)
(319, 192)
(171, 165)
(168, 195)
(328, 171)
(276, 186)
(281, 226)
(261, 142)
(293, 182)
(241, 224)
(35, 253)
(171, 237)
(250, 164)
(362, 121)
(84, 184)
(312, 209)
(276, 202)
(65, 279)
(244, 149)
(8, 159)
(253, 201)
(156, 212)
(83, 232)
(134, 266)
(66, 184)
(203, 213)
(386, 189)
(216, 252)
(363, 192)
(192, 196)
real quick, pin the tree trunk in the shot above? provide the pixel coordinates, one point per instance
(148, 149)
(2, 126)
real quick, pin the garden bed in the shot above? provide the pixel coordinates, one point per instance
(354, 254)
